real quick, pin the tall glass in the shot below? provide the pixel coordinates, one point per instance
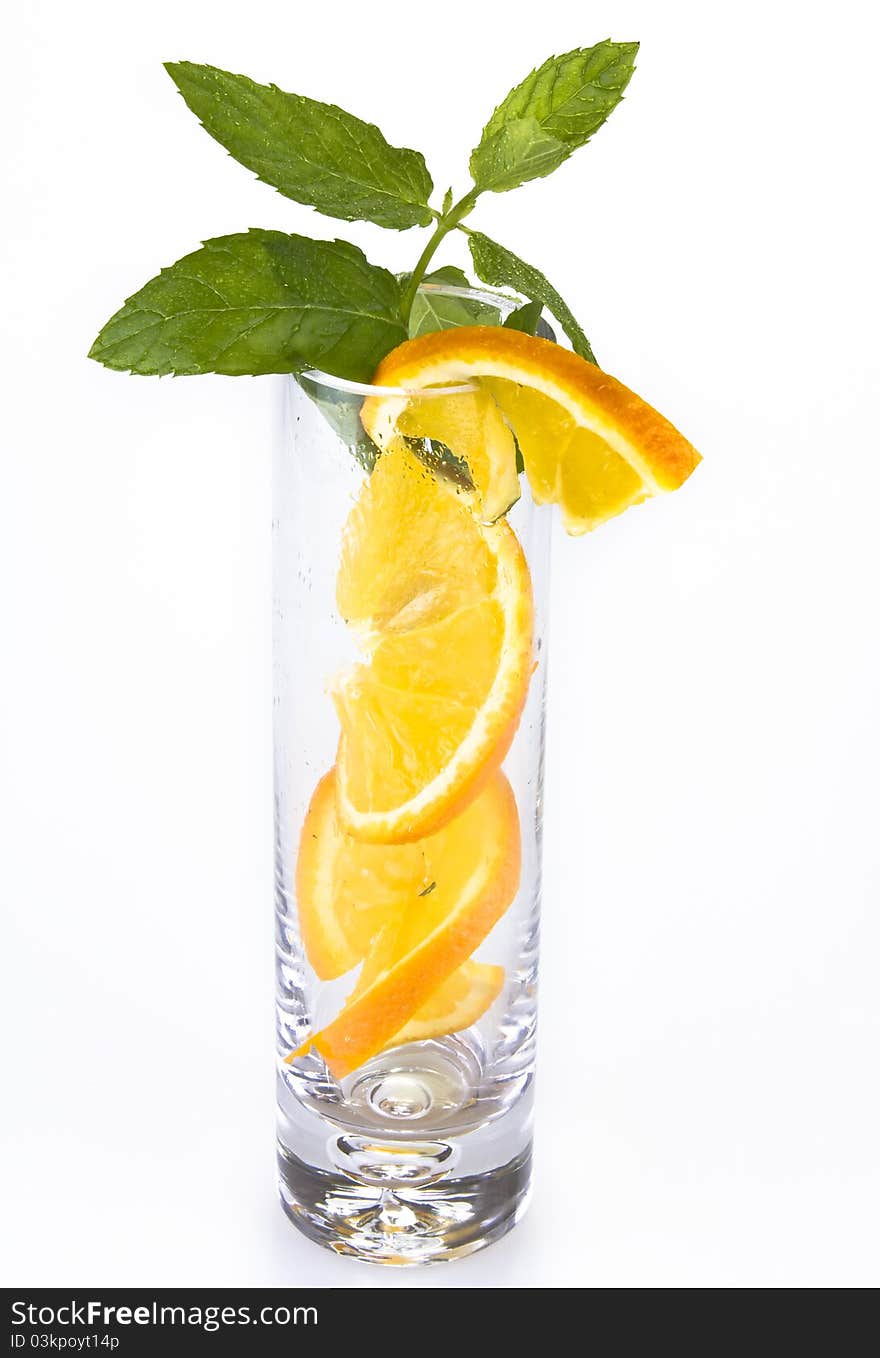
(423, 1152)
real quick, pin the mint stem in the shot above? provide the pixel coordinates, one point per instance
(448, 222)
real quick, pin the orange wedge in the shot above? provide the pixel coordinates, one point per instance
(413, 985)
(588, 443)
(442, 607)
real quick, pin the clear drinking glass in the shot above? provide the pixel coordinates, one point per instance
(424, 1152)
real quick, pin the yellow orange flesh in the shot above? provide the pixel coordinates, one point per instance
(442, 606)
(588, 442)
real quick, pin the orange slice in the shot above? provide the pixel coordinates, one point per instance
(442, 606)
(347, 890)
(473, 866)
(588, 443)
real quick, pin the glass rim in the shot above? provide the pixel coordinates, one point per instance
(504, 302)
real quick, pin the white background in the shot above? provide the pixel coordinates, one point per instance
(708, 1095)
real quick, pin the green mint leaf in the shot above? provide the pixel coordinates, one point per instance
(519, 151)
(447, 201)
(449, 273)
(556, 109)
(571, 96)
(314, 153)
(501, 268)
(525, 318)
(258, 302)
(440, 311)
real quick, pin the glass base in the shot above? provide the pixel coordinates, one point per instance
(396, 1205)
(415, 1158)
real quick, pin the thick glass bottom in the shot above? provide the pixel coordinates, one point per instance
(417, 1157)
(378, 1211)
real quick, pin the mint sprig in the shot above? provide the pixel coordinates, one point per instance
(265, 302)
